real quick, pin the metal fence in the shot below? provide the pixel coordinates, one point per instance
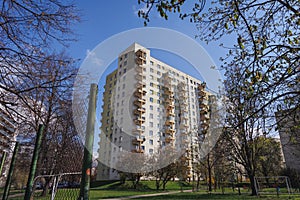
(64, 186)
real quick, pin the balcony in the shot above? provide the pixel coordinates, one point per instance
(170, 131)
(169, 139)
(139, 120)
(170, 113)
(183, 126)
(138, 129)
(139, 93)
(184, 116)
(140, 84)
(182, 96)
(202, 94)
(140, 54)
(202, 86)
(203, 117)
(137, 141)
(203, 106)
(203, 112)
(139, 111)
(169, 92)
(204, 126)
(170, 105)
(140, 61)
(139, 102)
(137, 151)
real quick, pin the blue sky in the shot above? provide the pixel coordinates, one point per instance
(103, 19)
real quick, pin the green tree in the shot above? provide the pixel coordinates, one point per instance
(261, 67)
(270, 161)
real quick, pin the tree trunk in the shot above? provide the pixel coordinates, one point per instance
(157, 183)
(252, 183)
(209, 174)
(198, 182)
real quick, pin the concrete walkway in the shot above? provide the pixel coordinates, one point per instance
(148, 195)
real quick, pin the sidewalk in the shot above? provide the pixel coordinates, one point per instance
(147, 195)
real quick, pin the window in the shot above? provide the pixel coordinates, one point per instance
(151, 107)
(126, 55)
(120, 148)
(158, 101)
(150, 151)
(151, 84)
(151, 116)
(120, 65)
(125, 62)
(151, 70)
(123, 94)
(123, 86)
(151, 63)
(158, 66)
(151, 124)
(121, 58)
(107, 114)
(120, 139)
(150, 133)
(124, 71)
(151, 142)
(151, 92)
(158, 73)
(151, 99)
(158, 109)
(151, 77)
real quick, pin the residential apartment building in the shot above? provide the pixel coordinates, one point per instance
(288, 127)
(147, 105)
(7, 136)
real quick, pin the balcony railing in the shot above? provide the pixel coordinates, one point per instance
(169, 139)
(138, 151)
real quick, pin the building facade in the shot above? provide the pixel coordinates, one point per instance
(7, 136)
(148, 105)
(289, 131)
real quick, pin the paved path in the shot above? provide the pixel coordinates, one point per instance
(148, 195)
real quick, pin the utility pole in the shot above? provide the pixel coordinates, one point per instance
(10, 172)
(35, 157)
(89, 140)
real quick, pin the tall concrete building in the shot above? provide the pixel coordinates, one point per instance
(7, 136)
(147, 105)
(288, 127)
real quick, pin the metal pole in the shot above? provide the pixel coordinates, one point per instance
(10, 172)
(35, 157)
(2, 161)
(89, 140)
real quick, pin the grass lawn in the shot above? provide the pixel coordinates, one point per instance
(205, 196)
(115, 190)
